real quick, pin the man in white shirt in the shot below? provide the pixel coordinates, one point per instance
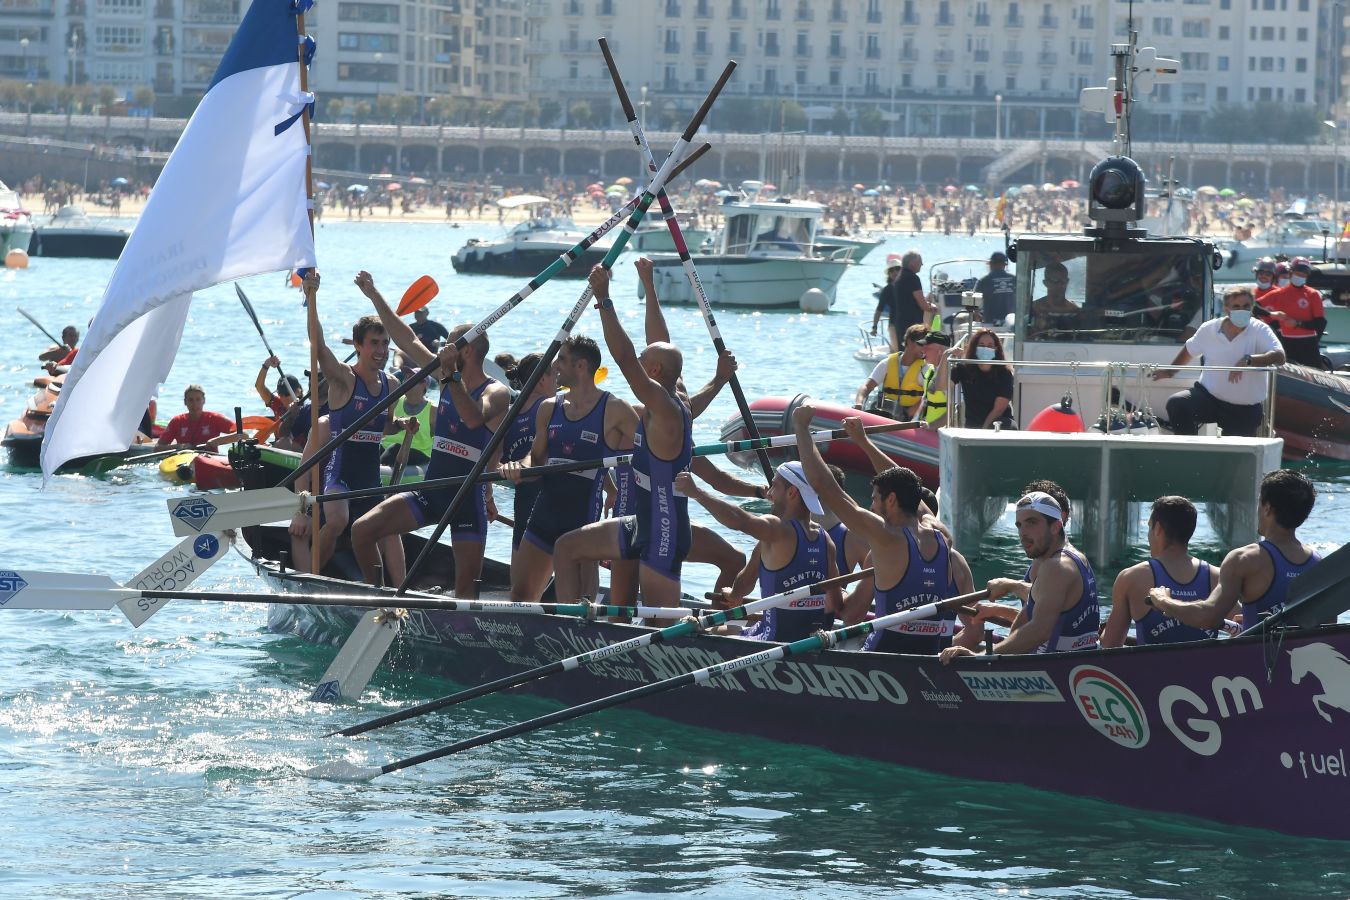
(1230, 399)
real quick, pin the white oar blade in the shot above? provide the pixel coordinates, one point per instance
(201, 513)
(359, 657)
(58, 590)
(343, 771)
(173, 571)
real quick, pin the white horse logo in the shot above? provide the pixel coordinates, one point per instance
(1325, 663)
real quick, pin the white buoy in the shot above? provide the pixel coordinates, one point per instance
(814, 300)
(16, 259)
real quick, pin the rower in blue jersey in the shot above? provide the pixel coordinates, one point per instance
(1059, 587)
(1258, 575)
(1170, 526)
(792, 550)
(471, 408)
(584, 423)
(520, 438)
(912, 564)
(355, 464)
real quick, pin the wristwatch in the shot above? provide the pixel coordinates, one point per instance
(1247, 360)
(454, 376)
(606, 303)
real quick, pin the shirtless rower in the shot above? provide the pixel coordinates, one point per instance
(352, 389)
(1066, 617)
(792, 551)
(911, 557)
(1260, 571)
(1170, 526)
(584, 423)
(472, 406)
(657, 534)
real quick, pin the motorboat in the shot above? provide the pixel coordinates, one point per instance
(16, 223)
(859, 245)
(1293, 235)
(1168, 209)
(653, 235)
(71, 233)
(764, 256)
(533, 245)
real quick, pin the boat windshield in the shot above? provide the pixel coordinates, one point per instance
(769, 233)
(1110, 298)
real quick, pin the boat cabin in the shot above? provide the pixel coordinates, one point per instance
(780, 227)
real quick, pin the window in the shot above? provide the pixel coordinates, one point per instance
(1301, 34)
(1221, 94)
(1162, 25)
(1221, 63)
(1300, 65)
(118, 37)
(1300, 95)
(1223, 32)
(1194, 28)
(368, 43)
(367, 12)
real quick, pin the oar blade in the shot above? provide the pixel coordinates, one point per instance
(419, 294)
(31, 589)
(176, 569)
(359, 657)
(341, 770)
(201, 513)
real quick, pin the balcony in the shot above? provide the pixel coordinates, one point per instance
(164, 10)
(702, 11)
(838, 15)
(980, 55)
(702, 48)
(773, 13)
(1085, 58)
(982, 20)
(1049, 22)
(672, 10)
(1013, 22)
(1012, 57)
(944, 57)
(671, 47)
(874, 17)
(945, 20)
(805, 14)
(836, 52)
(1087, 22)
(909, 54)
(803, 53)
(605, 8)
(770, 49)
(1048, 58)
(737, 11)
(872, 53)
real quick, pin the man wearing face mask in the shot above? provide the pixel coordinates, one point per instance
(1298, 310)
(1230, 399)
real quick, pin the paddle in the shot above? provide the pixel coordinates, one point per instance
(1317, 596)
(601, 653)
(248, 308)
(419, 294)
(345, 771)
(238, 509)
(55, 341)
(179, 567)
(668, 213)
(657, 182)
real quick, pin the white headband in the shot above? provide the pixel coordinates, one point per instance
(794, 475)
(1042, 503)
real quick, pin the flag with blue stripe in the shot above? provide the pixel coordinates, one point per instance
(231, 202)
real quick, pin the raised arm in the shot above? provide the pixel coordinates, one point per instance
(853, 428)
(700, 400)
(260, 383)
(867, 524)
(656, 329)
(729, 515)
(399, 332)
(725, 482)
(621, 350)
(338, 375)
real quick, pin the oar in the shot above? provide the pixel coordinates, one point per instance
(176, 569)
(248, 308)
(601, 653)
(25, 314)
(657, 182)
(668, 213)
(259, 506)
(345, 771)
(165, 454)
(1318, 595)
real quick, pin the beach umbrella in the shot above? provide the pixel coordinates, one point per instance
(726, 193)
(616, 189)
(393, 186)
(883, 187)
(1069, 184)
(625, 180)
(859, 187)
(322, 185)
(1012, 191)
(1245, 202)
(1227, 192)
(1207, 189)
(595, 186)
(118, 182)
(769, 187)
(1049, 188)
(357, 189)
(417, 180)
(871, 192)
(973, 188)
(707, 183)
(1028, 188)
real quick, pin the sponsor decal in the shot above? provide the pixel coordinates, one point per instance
(1330, 668)
(328, 692)
(1232, 697)
(206, 546)
(944, 699)
(1109, 706)
(1332, 763)
(1023, 687)
(194, 512)
(590, 437)
(10, 584)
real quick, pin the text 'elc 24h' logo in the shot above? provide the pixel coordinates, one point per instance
(1109, 706)
(195, 512)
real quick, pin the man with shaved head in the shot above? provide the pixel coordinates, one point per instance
(657, 535)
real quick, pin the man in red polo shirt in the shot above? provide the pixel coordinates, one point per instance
(198, 425)
(1297, 309)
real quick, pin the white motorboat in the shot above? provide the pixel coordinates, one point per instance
(71, 233)
(16, 223)
(653, 235)
(533, 245)
(1289, 237)
(764, 256)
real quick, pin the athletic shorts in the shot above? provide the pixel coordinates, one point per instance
(355, 508)
(470, 522)
(563, 506)
(526, 493)
(664, 551)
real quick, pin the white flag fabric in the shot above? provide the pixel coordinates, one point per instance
(231, 202)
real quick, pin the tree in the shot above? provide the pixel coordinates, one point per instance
(529, 114)
(362, 110)
(333, 109)
(549, 110)
(579, 114)
(144, 98)
(404, 106)
(433, 109)
(107, 96)
(839, 122)
(384, 107)
(870, 121)
(792, 116)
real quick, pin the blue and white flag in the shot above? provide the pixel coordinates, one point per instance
(231, 202)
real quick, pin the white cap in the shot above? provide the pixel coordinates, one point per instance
(795, 476)
(894, 260)
(1042, 503)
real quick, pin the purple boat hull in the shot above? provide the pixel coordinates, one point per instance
(1180, 729)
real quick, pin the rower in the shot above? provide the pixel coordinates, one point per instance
(356, 464)
(792, 550)
(658, 534)
(1170, 526)
(520, 436)
(908, 555)
(198, 425)
(901, 378)
(1066, 616)
(1260, 571)
(471, 408)
(584, 423)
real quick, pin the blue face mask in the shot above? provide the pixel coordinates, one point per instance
(984, 353)
(1240, 317)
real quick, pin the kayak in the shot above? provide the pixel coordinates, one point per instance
(178, 468)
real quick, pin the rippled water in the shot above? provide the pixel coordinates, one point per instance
(166, 761)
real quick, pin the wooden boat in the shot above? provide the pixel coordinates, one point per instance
(1268, 711)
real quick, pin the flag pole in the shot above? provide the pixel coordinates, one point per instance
(312, 306)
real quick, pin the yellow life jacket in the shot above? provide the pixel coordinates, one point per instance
(902, 395)
(935, 401)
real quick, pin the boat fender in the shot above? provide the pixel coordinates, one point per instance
(1061, 418)
(814, 300)
(16, 259)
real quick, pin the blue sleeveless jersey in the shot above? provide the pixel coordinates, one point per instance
(569, 500)
(926, 581)
(516, 447)
(1076, 628)
(658, 533)
(803, 617)
(457, 446)
(356, 462)
(839, 534)
(1155, 628)
(1272, 601)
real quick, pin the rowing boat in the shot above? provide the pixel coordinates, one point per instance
(1147, 727)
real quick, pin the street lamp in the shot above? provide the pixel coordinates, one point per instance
(998, 123)
(379, 76)
(23, 46)
(1335, 174)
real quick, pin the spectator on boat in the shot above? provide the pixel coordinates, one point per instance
(792, 550)
(415, 409)
(70, 341)
(885, 304)
(658, 533)
(198, 425)
(1171, 565)
(780, 237)
(295, 424)
(901, 378)
(911, 557)
(1231, 399)
(1055, 311)
(430, 332)
(520, 435)
(584, 423)
(1297, 310)
(471, 408)
(937, 347)
(1256, 576)
(1059, 589)
(999, 288)
(1264, 273)
(288, 388)
(986, 388)
(1283, 275)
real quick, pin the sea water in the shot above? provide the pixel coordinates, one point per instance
(166, 761)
